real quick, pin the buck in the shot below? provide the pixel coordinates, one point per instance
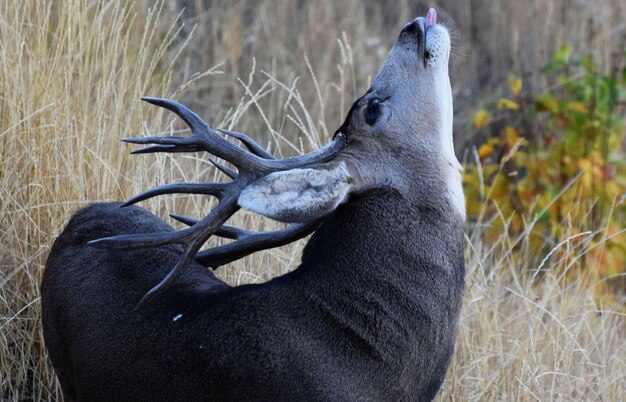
(370, 313)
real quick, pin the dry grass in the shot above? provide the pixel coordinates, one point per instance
(71, 76)
(531, 331)
(69, 83)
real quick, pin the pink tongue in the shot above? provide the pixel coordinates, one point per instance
(431, 19)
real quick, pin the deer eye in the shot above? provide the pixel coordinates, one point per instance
(372, 113)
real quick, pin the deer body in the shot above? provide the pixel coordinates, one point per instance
(370, 314)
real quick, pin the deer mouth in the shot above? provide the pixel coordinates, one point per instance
(417, 32)
(436, 43)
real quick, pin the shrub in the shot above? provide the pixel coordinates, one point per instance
(552, 166)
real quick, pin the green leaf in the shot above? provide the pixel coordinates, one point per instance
(588, 64)
(561, 56)
(551, 68)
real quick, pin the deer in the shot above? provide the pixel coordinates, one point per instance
(132, 312)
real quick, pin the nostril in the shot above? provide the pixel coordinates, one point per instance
(411, 27)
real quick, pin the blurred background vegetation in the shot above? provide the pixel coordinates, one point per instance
(539, 91)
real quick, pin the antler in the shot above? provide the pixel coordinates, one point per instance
(252, 164)
(247, 242)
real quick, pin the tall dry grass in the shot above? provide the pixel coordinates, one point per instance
(531, 330)
(70, 77)
(72, 74)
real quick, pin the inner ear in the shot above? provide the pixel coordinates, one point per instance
(298, 195)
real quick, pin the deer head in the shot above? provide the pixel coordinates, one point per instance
(398, 135)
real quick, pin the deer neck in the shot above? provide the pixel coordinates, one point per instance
(451, 167)
(385, 257)
(385, 226)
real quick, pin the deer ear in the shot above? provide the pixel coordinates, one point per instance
(298, 195)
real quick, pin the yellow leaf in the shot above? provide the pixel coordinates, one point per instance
(584, 164)
(515, 84)
(578, 107)
(516, 223)
(586, 179)
(546, 103)
(507, 104)
(596, 157)
(613, 189)
(500, 190)
(480, 119)
(511, 136)
(525, 193)
(484, 151)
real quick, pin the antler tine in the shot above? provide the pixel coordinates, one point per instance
(251, 242)
(170, 142)
(165, 144)
(249, 143)
(142, 240)
(213, 189)
(231, 232)
(203, 229)
(226, 170)
(163, 148)
(154, 148)
(246, 242)
(202, 138)
(228, 232)
(184, 219)
(199, 234)
(193, 120)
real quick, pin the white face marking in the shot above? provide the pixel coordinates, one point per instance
(438, 45)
